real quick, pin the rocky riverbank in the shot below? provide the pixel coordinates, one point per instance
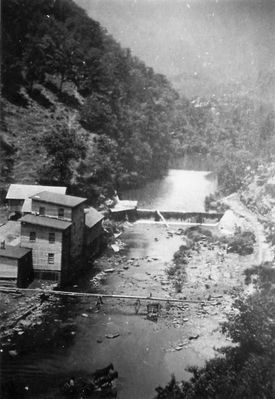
(144, 260)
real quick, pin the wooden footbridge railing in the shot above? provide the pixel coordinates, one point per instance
(98, 295)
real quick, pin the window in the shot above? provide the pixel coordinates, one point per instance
(51, 238)
(50, 259)
(32, 236)
(42, 211)
(61, 212)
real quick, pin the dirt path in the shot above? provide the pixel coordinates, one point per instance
(263, 252)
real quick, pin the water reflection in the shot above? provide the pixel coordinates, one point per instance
(182, 190)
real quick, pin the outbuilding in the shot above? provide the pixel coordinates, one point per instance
(15, 266)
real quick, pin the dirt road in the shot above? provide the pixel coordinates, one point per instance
(263, 252)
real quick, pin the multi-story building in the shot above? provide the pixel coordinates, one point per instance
(18, 196)
(58, 234)
(66, 208)
(55, 231)
(49, 240)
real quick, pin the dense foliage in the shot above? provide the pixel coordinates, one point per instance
(234, 131)
(135, 121)
(125, 106)
(63, 147)
(245, 370)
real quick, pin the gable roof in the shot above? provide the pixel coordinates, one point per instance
(23, 191)
(45, 222)
(92, 217)
(14, 252)
(58, 199)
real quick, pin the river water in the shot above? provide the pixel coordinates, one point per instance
(181, 190)
(66, 344)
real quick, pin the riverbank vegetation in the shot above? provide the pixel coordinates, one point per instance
(244, 370)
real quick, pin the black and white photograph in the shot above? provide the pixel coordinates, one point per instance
(137, 199)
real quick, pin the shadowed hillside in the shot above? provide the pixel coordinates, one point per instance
(62, 74)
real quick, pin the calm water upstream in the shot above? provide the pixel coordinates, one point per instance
(66, 344)
(183, 190)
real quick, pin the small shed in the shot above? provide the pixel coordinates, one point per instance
(124, 209)
(15, 266)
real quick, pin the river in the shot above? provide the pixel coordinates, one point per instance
(70, 344)
(181, 190)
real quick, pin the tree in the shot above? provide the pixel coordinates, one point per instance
(63, 146)
(246, 370)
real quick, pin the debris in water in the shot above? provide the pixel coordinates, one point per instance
(115, 247)
(84, 315)
(109, 270)
(111, 336)
(193, 337)
(13, 353)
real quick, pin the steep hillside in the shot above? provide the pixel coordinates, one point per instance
(22, 130)
(62, 74)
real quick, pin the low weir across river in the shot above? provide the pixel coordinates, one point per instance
(179, 218)
(169, 217)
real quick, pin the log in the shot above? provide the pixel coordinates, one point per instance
(93, 295)
(24, 315)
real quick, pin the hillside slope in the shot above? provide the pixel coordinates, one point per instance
(22, 129)
(62, 71)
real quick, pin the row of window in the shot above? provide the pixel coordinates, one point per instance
(42, 212)
(33, 237)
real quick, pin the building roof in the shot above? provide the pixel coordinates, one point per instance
(59, 199)
(124, 205)
(27, 206)
(23, 191)
(14, 252)
(92, 217)
(45, 222)
(10, 232)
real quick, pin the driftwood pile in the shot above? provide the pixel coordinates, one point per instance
(101, 382)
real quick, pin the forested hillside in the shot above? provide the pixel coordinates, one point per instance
(77, 108)
(236, 131)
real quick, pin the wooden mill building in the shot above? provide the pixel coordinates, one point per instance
(53, 239)
(49, 240)
(55, 231)
(18, 196)
(93, 231)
